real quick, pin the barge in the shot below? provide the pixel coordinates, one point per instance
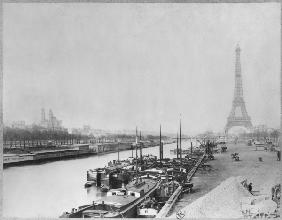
(153, 205)
(119, 203)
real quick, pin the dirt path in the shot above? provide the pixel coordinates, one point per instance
(263, 174)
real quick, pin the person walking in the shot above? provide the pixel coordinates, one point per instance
(250, 188)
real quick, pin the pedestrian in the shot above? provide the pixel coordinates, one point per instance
(278, 155)
(250, 188)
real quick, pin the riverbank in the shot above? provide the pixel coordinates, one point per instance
(263, 174)
(38, 155)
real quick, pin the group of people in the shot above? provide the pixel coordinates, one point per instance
(209, 146)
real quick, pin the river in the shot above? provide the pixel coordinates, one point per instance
(47, 190)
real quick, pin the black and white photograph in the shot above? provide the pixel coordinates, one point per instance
(141, 110)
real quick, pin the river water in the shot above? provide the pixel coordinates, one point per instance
(47, 190)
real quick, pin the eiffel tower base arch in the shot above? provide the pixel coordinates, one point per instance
(240, 123)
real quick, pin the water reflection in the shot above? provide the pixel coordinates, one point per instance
(94, 191)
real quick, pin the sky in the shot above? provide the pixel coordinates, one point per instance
(118, 66)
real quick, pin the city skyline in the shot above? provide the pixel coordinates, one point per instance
(121, 74)
(51, 122)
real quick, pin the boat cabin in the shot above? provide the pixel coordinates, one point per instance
(124, 192)
(117, 192)
(149, 176)
(154, 171)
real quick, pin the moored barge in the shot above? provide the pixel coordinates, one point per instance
(119, 203)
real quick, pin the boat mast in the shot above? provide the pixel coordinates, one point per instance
(177, 150)
(136, 142)
(180, 143)
(118, 151)
(141, 158)
(160, 143)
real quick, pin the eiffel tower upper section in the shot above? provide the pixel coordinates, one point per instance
(238, 92)
(238, 102)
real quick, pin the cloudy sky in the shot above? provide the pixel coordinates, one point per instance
(115, 66)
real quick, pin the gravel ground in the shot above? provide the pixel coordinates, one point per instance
(263, 174)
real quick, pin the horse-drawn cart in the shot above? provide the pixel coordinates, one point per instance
(223, 149)
(222, 146)
(235, 156)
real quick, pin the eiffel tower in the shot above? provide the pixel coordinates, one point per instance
(238, 115)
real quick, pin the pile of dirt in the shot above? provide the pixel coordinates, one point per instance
(222, 202)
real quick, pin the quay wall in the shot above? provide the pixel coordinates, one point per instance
(107, 147)
(76, 150)
(13, 158)
(114, 147)
(46, 155)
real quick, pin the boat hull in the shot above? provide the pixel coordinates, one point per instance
(127, 211)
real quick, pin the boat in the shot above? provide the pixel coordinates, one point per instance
(187, 151)
(174, 151)
(113, 177)
(89, 184)
(119, 203)
(97, 175)
(120, 172)
(114, 169)
(151, 206)
(105, 188)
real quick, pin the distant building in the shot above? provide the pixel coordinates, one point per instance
(18, 124)
(52, 123)
(85, 130)
(76, 131)
(260, 128)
